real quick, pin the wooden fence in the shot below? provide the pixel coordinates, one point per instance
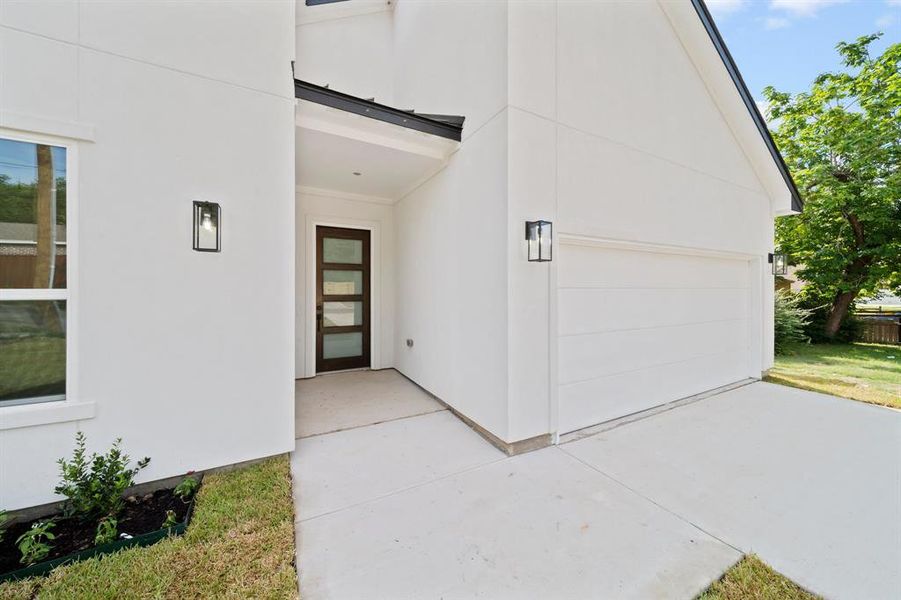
(17, 271)
(880, 329)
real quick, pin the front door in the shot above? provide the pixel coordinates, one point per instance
(342, 299)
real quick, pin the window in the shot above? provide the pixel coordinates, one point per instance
(33, 272)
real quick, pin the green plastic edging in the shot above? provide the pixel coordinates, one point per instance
(145, 539)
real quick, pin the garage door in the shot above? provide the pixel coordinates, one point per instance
(639, 329)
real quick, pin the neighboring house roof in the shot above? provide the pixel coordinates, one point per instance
(446, 126)
(748, 99)
(26, 232)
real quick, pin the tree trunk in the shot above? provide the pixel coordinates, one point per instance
(43, 217)
(854, 275)
(837, 313)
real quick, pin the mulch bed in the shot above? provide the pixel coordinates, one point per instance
(142, 514)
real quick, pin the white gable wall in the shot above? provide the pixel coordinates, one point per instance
(621, 120)
(628, 102)
(188, 356)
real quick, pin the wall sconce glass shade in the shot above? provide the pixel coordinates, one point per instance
(207, 227)
(539, 235)
(779, 262)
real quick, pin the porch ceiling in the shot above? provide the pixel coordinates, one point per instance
(347, 153)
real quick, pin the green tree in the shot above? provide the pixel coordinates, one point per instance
(842, 142)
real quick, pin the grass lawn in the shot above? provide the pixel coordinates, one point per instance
(865, 372)
(240, 544)
(35, 364)
(752, 579)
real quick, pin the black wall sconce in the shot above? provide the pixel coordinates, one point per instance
(207, 227)
(539, 235)
(779, 262)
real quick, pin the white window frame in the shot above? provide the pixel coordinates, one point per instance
(53, 409)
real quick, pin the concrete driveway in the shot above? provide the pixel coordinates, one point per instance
(810, 482)
(422, 507)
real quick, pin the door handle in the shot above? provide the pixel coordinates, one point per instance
(319, 317)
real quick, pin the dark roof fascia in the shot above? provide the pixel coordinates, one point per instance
(748, 99)
(318, 2)
(446, 126)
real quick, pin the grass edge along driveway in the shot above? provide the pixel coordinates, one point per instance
(752, 579)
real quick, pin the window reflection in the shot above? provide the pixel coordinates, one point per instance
(32, 349)
(33, 263)
(32, 215)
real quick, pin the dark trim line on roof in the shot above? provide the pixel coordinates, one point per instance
(729, 62)
(318, 2)
(446, 126)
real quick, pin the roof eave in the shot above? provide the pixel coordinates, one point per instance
(446, 126)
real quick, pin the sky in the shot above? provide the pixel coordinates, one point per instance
(19, 161)
(787, 43)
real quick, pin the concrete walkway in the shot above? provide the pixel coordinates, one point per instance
(340, 401)
(422, 507)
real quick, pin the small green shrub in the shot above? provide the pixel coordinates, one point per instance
(186, 489)
(789, 321)
(170, 521)
(107, 531)
(93, 486)
(4, 517)
(34, 543)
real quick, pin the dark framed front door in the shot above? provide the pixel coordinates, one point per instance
(342, 298)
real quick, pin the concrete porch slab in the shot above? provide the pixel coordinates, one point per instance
(539, 525)
(810, 482)
(338, 401)
(341, 469)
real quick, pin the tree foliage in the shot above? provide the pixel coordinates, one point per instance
(842, 143)
(17, 201)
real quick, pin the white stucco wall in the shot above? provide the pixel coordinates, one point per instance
(352, 54)
(451, 250)
(452, 281)
(188, 356)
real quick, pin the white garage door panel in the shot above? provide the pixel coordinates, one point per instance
(599, 355)
(598, 400)
(585, 310)
(591, 267)
(639, 329)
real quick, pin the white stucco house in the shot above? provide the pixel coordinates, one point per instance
(369, 210)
